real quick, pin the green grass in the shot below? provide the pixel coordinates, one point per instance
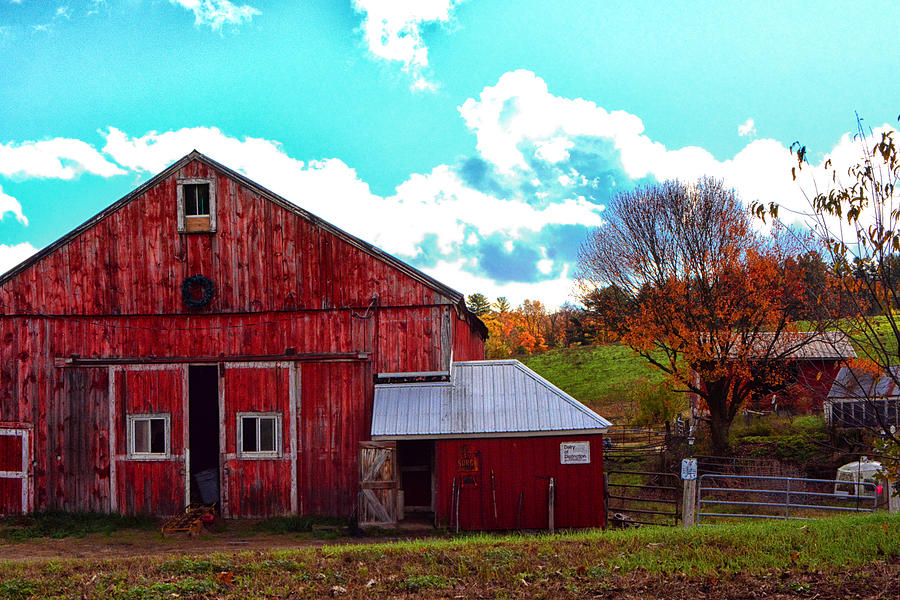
(562, 564)
(56, 524)
(599, 376)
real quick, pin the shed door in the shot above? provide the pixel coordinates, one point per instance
(378, 483)
(151, 435)
(260, 431)
(13, 471)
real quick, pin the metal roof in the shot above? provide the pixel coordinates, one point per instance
(858, 384)
(804, 345)
(491, 398)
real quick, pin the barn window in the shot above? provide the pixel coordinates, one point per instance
(196, 205)
(259, 435)
(148, 436)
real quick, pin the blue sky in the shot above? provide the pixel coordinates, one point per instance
(476, 139)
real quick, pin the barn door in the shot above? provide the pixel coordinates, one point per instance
(260, 439)
(14, 471)
(151, 458)
(378, 486)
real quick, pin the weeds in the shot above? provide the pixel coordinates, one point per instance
(57, 524)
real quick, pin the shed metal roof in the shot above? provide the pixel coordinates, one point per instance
(492, 398)
(862, 385)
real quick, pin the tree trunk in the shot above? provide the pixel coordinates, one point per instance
(719, 427)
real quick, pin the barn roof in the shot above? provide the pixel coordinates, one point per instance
(493, 398)
(856, 384)
(456, 297)
(807, 345)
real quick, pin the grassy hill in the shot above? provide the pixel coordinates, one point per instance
(599, 376)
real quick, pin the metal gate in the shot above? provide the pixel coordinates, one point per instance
(643, 497)
(762, 497)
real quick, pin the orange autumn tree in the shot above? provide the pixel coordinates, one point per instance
(701, 295)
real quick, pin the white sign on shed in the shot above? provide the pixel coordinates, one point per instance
(575, 453)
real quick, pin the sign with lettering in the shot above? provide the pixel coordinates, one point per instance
(575, 453)
(689, 469)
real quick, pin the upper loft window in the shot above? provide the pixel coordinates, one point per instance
(196, 205)
(196, 200)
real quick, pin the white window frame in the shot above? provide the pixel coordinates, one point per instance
(167, 431)
(211, 181)
(240, 435)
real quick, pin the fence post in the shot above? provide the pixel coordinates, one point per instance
(689, 503)
(689, 493)
(893, 492)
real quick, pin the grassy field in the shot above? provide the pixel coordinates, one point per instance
(831, 558)
(599, 376)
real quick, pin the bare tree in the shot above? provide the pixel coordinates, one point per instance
(701, 295)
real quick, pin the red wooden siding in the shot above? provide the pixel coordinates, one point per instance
(262, 258)
(336, 414)
(521, 465)
(77, 438)
(150, 486)
(258, 486)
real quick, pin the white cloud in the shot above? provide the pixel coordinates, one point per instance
(437, 203)
(458, 275)
(8, 204)
(393, 31)
(747, 128)
(62, 12)
(217, 13)
(60, 158)
(551, 162)
(11, 255)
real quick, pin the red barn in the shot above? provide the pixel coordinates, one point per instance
(204, 325)
(203, 339)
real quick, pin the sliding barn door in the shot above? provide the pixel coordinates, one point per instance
(14, 462)
(260, 439)
(150, 439)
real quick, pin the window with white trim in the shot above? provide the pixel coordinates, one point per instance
(196, 205)
(259, 434)
(148, 435)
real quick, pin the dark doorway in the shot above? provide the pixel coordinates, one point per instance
(415, 459)
(203, 397)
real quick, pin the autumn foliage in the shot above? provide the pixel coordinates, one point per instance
(693, 287)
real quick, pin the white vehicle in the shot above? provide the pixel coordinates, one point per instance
(850, 477)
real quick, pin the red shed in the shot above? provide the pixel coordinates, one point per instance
(495, 446)
(205, 339)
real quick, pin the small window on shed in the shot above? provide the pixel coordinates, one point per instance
(259, 435)
(196, 205)
(148, 436)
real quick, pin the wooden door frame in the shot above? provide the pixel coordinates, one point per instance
(24, 432)
(292, 416)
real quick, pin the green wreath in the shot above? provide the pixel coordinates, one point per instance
(187, 288)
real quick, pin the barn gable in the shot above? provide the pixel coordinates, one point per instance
(266, 254)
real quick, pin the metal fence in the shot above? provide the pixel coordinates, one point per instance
(631, 441)
(765, 497)
(642, 497)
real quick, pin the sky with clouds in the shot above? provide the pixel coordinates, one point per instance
(478, 140)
